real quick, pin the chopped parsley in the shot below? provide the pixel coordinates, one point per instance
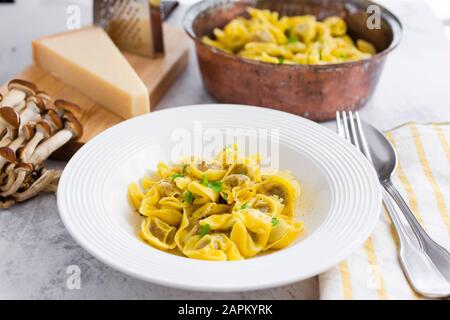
(280, 60)
(188, 197)
(177, 175)
(245, 205)
(275, 221)
(215, 185)
(293, 39)
(204, 229)
(183, 170)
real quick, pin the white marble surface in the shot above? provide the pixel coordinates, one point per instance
(35, 248)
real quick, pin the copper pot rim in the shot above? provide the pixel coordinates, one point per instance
(195, 10)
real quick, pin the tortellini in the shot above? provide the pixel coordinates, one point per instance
(251, 231)
(216, 246)
(267, 37)
(158, 233)
(224, 209)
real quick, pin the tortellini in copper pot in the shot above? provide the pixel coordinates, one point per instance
(223, 209)
(266, 36)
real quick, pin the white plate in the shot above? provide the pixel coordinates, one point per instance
(341, 197)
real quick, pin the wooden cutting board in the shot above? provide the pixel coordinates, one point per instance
(157, 74)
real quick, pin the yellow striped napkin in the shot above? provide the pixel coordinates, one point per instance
(423, 177)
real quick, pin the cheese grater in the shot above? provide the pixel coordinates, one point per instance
(134, 25)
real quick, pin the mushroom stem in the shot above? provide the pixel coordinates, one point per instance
(25, 134)
(32, 112)
(7, 203)
(53, 185)
(48, 177)
(43, 131)
(16, 143)
(9, 172)
(16, 185)
(72, 129)
(13, 97)
(20, 106)
(31, 146)
(45, 149)
(7, 138)
(21, 170)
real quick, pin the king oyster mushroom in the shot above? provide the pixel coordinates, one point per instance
(72, 130)
(21, 170)
(11, 121)
(18, 90)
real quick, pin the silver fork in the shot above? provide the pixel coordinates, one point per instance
(420, 271)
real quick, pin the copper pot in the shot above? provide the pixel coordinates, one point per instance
(312, 91)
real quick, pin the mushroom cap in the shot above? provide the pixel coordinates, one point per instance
(44, 128)
(53, 118)
(43, 95)
(39, 102)
(8, 154)
(72, 124)
(22, 166)
(10, 116)
(28, 87)
(66, 106)
(28, 131)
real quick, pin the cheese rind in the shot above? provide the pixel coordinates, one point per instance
(88, 60)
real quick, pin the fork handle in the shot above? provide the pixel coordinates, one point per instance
(439, 255)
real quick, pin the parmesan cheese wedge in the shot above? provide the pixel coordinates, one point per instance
(88, 60)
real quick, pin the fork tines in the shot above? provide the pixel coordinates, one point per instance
(349, 127)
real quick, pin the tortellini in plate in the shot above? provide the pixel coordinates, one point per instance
(224, 209)
(267, 37)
